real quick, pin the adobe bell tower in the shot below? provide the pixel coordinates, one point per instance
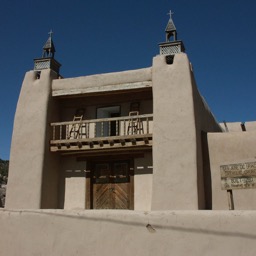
(47, 60)
(30, 158)
(171, 47)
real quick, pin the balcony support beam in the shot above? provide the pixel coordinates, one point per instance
(102, 143)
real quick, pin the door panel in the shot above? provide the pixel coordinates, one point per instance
(111, 186)
(101, 199)
(121, 196)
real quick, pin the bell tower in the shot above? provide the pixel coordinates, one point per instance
(171, 47)
(47, 60)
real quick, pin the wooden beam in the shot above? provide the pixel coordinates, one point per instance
(146, 140)
(133, 140)
(111, 142)
(79, 144)
(101, 143)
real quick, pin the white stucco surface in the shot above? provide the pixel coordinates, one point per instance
(143, 178)
(30, 142)
(116, 232)
(103, 82)
(229, 148)
(174, 133)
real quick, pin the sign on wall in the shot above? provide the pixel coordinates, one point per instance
(238, 176)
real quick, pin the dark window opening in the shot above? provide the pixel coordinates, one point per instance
(169, 59)
(38, 74)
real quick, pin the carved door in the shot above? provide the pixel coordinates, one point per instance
(111, 186)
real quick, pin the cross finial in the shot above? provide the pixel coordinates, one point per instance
(50, 33)
(170, 13)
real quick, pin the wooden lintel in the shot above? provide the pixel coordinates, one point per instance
(111, 155)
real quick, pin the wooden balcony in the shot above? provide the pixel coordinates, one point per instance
(126, 133)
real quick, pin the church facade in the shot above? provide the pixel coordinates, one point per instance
(123, 163)
(137, 140)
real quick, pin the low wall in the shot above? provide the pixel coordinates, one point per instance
(115, 232)
(227, 148)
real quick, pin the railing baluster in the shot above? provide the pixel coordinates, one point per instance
(147, 125)
(67, 132)
(95, 130)
(53, 133)
(102, 129)
(117, 126)
(60, 132)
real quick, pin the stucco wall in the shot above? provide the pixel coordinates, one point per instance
(114, 78)
(204, 122)
(228, 148)
(33, 172)
(72, 184)
(174, 133)
(236, 126)
(143, 175)
(101, 232)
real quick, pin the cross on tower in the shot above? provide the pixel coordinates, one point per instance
(170, 13)
(50, 33)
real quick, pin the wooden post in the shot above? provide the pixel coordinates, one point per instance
(230, 199)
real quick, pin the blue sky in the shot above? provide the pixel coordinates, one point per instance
(105, 36)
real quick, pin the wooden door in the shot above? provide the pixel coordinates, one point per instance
(111, 186)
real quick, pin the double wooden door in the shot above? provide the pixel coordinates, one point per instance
(111, 185)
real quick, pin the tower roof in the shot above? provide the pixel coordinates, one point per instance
(170, 29)
(170, 25)
(49, 49)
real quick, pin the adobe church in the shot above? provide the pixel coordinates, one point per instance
(129, 150)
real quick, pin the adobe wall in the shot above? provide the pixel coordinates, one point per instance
(77, 84)
(115, 232)
(237, 126)
(205, 122)
(33, 172)
(228, 148)
(72, 183)
(174, 136)
(143, 179)
(181, 121)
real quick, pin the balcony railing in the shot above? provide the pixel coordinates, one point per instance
(133, 130)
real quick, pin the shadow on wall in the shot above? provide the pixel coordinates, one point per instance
(207, 172)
